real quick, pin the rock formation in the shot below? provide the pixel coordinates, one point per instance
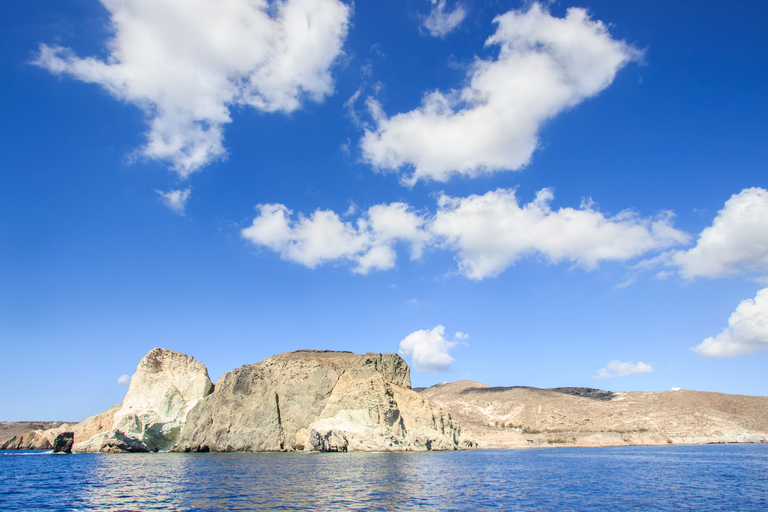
(165, 387)
(10, 429)
(523, 416)
(42, 438)
(63, 442)
(339, 401)
(28, 440)
(318, 400)
(304, 400)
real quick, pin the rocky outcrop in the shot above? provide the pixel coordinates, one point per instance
(318, 400)
(165, 387)
(29, 440)
(304, 400)
(63, 442)
(10, 429)
(523, 416)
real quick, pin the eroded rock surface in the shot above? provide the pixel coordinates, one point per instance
(165, 387)
(28, 440)
(63, 442)
(318, 400)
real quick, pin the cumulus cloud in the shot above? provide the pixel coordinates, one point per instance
(737, 240)
(176, 200)
(124, 380)
(186, 62)
(429, 349)
(442, 22)
(488, 233)
(617, 368)
(545, 65)
(324, 237)
(747, 330)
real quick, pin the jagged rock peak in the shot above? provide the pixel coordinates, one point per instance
(162, 359)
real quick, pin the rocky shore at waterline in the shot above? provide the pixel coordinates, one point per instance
(311, 400)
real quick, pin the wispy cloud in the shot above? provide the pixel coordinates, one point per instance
(617, 368)
(545, 66)
(124, 380)
(441, 21)
(186, 62)
(176, 200)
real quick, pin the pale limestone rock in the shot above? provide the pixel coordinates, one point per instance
(304, 400)
(366, 412)
(315, 400)
(165, 387)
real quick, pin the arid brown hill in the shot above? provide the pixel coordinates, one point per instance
(522, 416)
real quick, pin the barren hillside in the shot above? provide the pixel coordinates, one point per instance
(522, 416)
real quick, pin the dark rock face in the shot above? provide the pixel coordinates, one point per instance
(118, 442)
(585, 392)
(63, 442)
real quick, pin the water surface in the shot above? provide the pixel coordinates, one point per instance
(696, 478)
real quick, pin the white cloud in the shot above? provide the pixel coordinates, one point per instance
(617, 368)
(440, 22)
(429, 349)
(124, 380)
(176, 200)
(186, 62)
(545, 65)
(324, 237)
(490, 232)
(737, 240)
(747, 330)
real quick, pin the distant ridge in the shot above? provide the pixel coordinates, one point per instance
(521, 416)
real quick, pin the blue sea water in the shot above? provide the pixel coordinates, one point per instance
(696, 478)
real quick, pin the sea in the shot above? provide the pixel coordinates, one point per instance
(695, 478)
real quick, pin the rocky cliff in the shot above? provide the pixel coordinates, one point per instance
(165, 387)
(318, 400)
(524, 416)
(42, 438)
(304, 400)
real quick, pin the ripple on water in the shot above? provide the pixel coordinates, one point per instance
(729, 478)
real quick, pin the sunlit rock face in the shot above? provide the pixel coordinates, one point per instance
(305, 400)
(318, 400)
(165, 387)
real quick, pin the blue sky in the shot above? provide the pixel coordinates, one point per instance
(508, 192)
